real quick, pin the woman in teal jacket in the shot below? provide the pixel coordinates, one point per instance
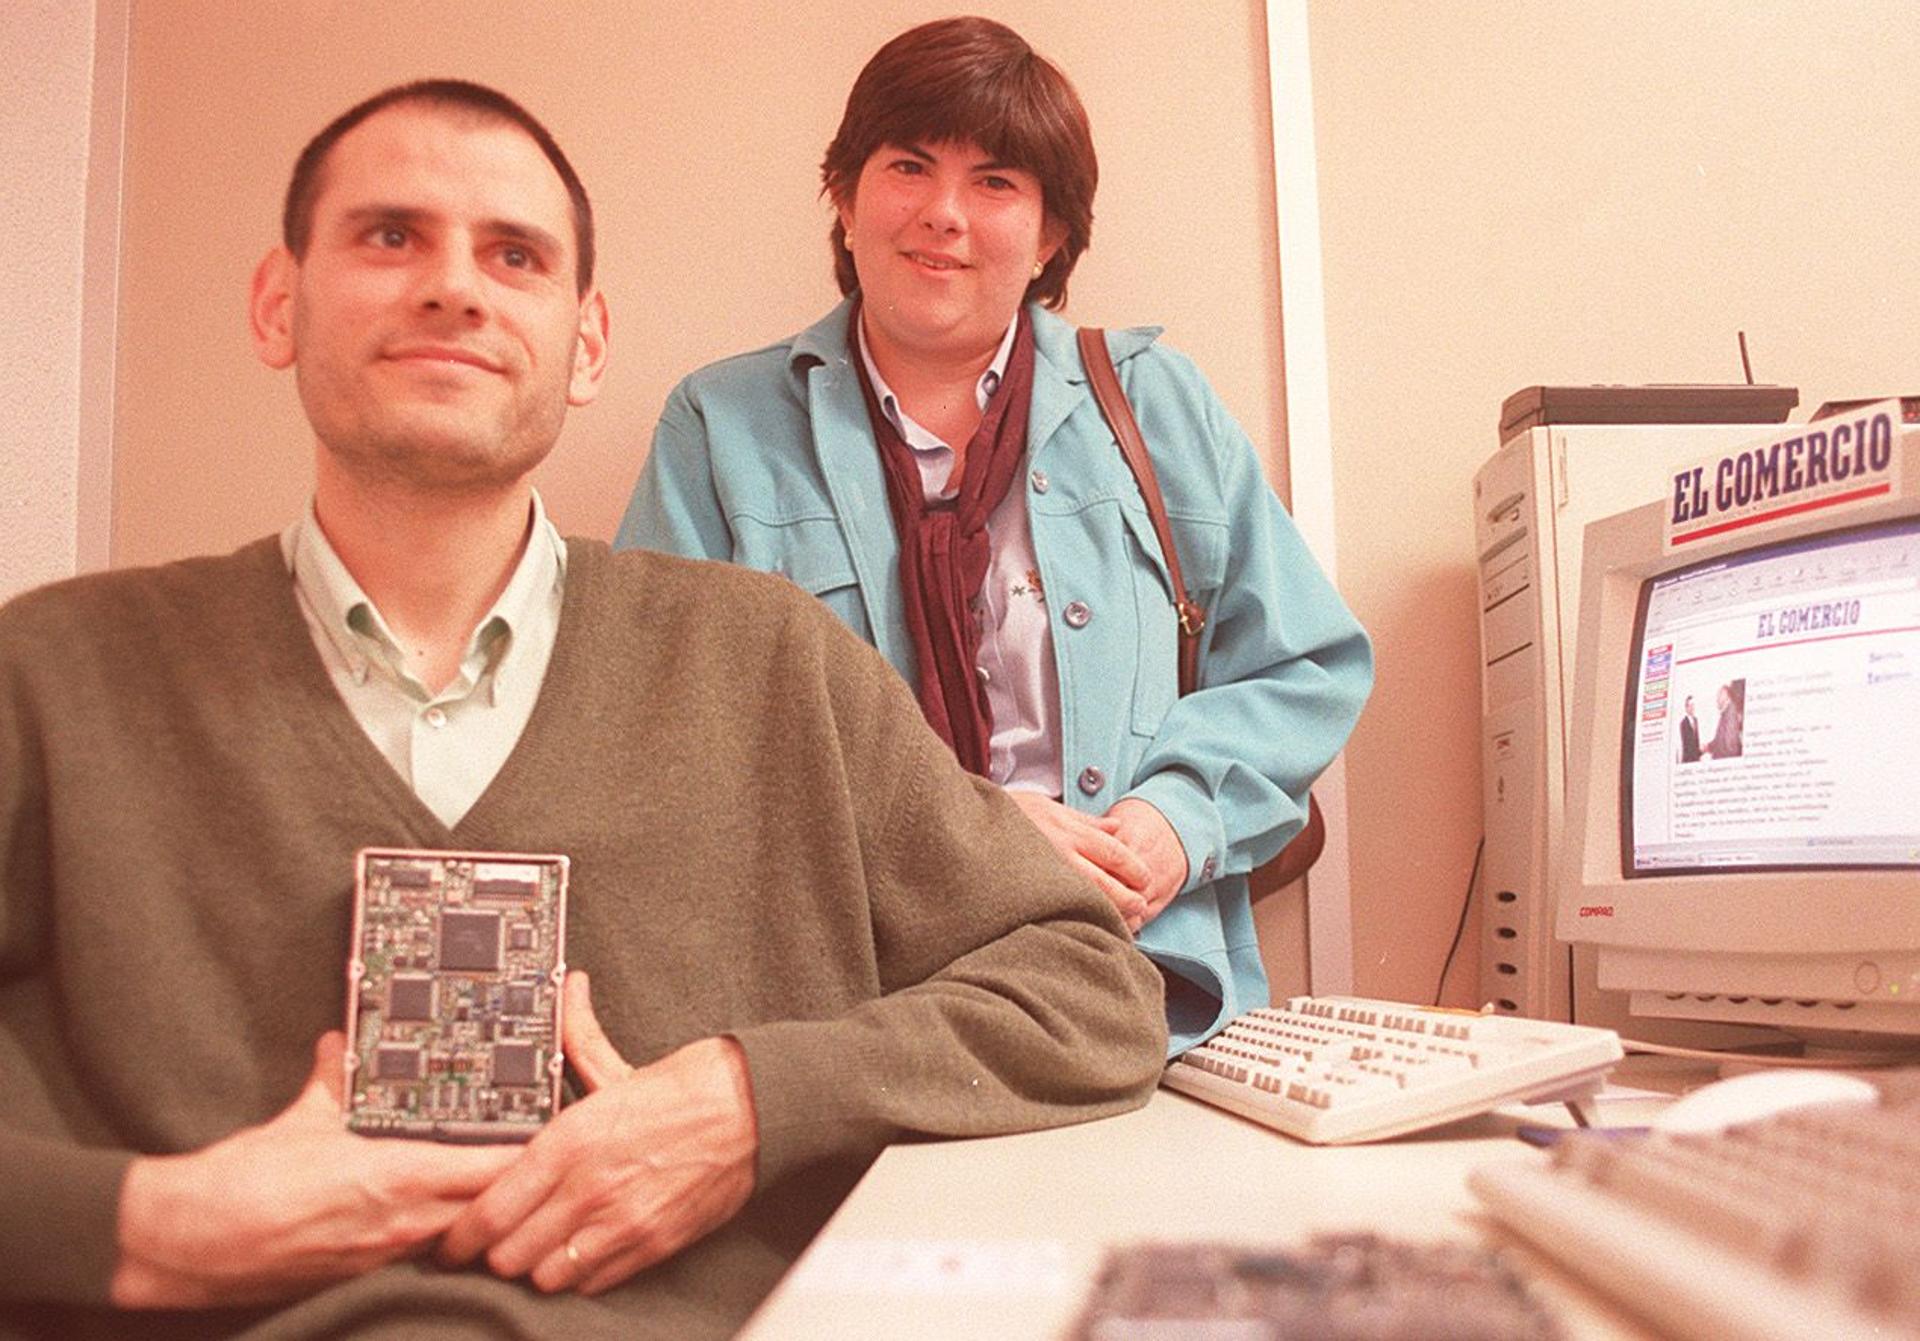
(1030, 605)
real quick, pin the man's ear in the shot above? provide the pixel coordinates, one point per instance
(589, 350)
(270, 307)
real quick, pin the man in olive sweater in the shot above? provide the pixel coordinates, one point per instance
(808, 932)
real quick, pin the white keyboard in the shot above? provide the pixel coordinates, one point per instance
(1334, 1069)
(1799, 1225)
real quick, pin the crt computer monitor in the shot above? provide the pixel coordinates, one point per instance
(1762, 867)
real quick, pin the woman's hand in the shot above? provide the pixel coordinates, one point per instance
(1092, 845)
(1146, 831)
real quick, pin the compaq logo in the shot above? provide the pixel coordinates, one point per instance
(1596, 910)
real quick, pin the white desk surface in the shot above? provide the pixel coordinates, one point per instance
(1000, 1237)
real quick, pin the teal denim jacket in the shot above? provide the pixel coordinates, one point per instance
(767, 459)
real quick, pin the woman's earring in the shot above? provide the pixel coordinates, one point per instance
(1038, 266)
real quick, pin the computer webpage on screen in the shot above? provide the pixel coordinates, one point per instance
(1775, 714)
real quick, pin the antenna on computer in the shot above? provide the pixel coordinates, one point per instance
(1744, 363)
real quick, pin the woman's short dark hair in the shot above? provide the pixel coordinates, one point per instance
(309, 170)
(971, 80)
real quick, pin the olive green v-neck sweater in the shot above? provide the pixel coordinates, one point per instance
(766, 841)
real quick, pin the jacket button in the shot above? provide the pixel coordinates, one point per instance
(1206, 869)
(1039, 478)
(1077, 614)
(1092, 779)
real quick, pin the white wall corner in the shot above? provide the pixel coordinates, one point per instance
(100, 285)
(1303, 333)
(51, 517)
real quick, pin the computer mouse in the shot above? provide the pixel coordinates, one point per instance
(1758, 1094)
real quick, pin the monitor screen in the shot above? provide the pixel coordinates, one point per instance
(1774, 713)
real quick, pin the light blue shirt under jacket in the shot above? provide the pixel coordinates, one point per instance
(767, 459)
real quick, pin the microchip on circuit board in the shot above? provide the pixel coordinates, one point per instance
(453, 994)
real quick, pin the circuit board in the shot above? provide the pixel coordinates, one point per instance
(453, 994)
(1335, 1287)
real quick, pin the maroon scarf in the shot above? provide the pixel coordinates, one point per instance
(944, 549)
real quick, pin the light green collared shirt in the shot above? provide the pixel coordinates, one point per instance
(446, 746)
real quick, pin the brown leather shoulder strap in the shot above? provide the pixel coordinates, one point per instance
(1304, 849)
(1126, 430)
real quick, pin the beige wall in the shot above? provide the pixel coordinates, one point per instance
(46, 78)
(1522, 193)
(699, 130)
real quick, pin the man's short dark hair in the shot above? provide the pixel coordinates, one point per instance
(303, 189)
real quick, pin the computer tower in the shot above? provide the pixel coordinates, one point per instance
(1532, 500)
